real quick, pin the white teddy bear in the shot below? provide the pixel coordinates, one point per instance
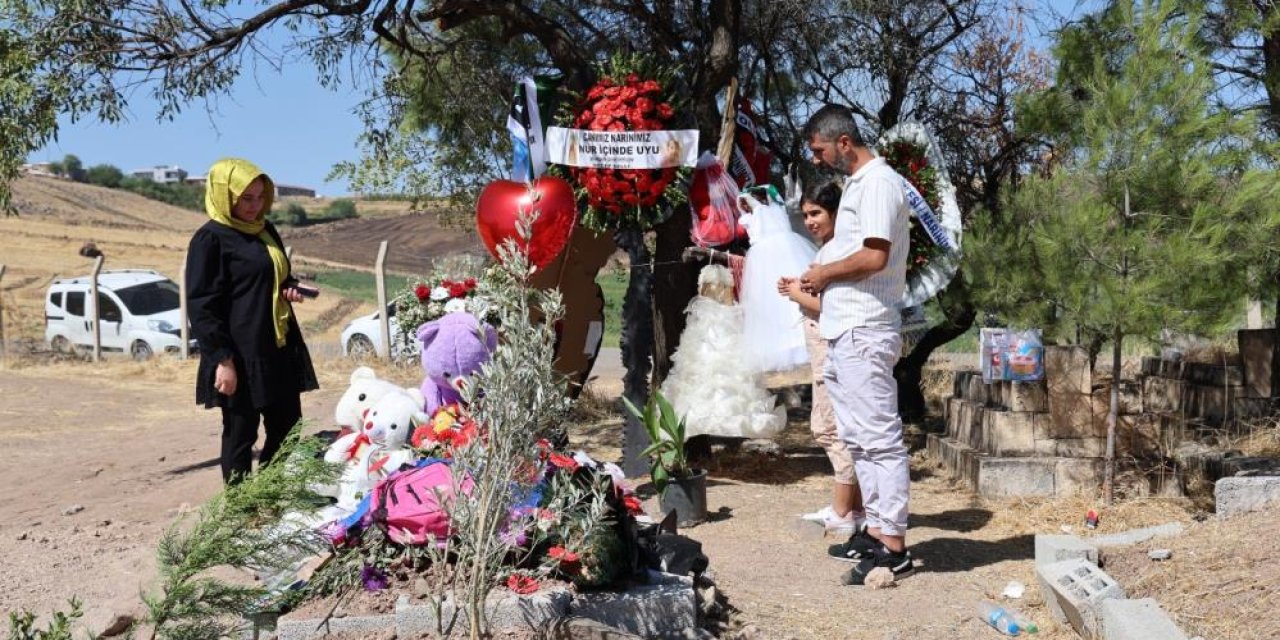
(381, 444)
(366, 389)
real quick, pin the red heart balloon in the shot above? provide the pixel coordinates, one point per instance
(501, 203)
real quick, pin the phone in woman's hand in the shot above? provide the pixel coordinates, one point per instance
(307, 292)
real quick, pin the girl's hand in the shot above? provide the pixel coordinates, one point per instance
(224, 378)
(292, 295)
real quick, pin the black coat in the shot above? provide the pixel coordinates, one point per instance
(230, 282)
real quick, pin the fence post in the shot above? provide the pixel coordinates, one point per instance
(4, 351)
(380, 272)
(93, 317)
(184, 327)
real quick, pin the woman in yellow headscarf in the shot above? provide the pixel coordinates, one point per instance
(253, 361)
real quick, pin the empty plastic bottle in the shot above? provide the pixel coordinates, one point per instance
(1025, 624)
(996, 616)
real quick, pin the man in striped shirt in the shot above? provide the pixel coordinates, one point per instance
(860, 275)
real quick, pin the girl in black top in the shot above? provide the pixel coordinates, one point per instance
(253, 362)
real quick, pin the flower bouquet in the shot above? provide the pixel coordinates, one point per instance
(631, 95)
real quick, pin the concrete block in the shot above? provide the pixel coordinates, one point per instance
(1163, 395)
(1136, 536)
(1028, 396)
(1066, 370)
(1081, 447)
(1074, 591)
(1077, 476)
(1212, 375)
(291, 628)
(1007, 433)
(503, 609)
(1142, 436)
(1250, 466)
(1141, 619)
(1256, 346)
(1052, 549)
(959, 460)
(1016, 476)
(1236, 495)
(1130, 398)
(665, 608)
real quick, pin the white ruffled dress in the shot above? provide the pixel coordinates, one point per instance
(708, 385)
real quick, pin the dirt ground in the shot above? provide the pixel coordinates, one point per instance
(128, 444)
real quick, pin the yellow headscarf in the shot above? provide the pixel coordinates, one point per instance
(227, 179)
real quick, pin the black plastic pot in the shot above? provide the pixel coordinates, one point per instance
(687, 497)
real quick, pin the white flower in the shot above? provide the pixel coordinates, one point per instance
(455, 305)
(439, 293)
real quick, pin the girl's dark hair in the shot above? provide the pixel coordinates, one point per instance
(825, 194)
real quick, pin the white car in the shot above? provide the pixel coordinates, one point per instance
(138, 313)
(363, 336)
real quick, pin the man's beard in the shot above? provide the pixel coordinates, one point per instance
(841, 167)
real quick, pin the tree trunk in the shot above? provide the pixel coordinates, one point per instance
(908, 371)
(1275, 348)
(636, 345)
(1113, 417)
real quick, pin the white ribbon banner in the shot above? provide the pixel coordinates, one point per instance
(622, 149)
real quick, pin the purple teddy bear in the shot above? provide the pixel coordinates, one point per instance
(453, 347)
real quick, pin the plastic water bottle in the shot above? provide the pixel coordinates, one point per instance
(995, 615)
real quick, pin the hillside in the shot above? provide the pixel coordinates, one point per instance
(56, 217)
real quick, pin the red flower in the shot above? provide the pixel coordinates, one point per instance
(665, 111)
(569, 561)
(423, 292)
(633, 505)
(644, 105)
(650, 86)
(563, 462)
(457, 289)
(632, 78)
(471, 283)
(522, 584)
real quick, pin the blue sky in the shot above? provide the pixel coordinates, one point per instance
(283, 120)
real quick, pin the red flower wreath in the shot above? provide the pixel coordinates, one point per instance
(625, 101)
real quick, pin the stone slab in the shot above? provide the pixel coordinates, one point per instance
(1074, 590)
(1256, 346)
(1028, 396)
(1141, 619)
(288, 628)
(1051, 549)
(1080, 447)
(663, 609)
(1007, 433)
(1016, 476)
(1203, 373)
(1249, 466)
(1069, 382)
(1163, 395)
(1136, 536)
(503, 609)
(1236, 495)
(1072, 476)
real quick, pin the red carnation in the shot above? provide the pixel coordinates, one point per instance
(470, 282)
(569, 561)
(632, 78)
(456, 289)
(522, 584)
(665, 111)
(633, 505)
(562, 461)
(650, 86)
(644, 105)
(422, 292)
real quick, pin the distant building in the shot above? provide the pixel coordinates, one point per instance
(162, 174)
(39, 169)
(281, 189)
(294, 190)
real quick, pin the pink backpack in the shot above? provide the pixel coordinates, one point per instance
(409, 505)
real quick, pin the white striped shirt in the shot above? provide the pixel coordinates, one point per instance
(872, 206)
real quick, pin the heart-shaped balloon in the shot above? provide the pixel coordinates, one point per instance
(502, 202)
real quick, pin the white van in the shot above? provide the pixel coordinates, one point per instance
(138, 313)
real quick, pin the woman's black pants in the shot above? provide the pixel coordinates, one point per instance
(240, 431)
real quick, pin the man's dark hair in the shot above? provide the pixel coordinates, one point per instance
(830, 122)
